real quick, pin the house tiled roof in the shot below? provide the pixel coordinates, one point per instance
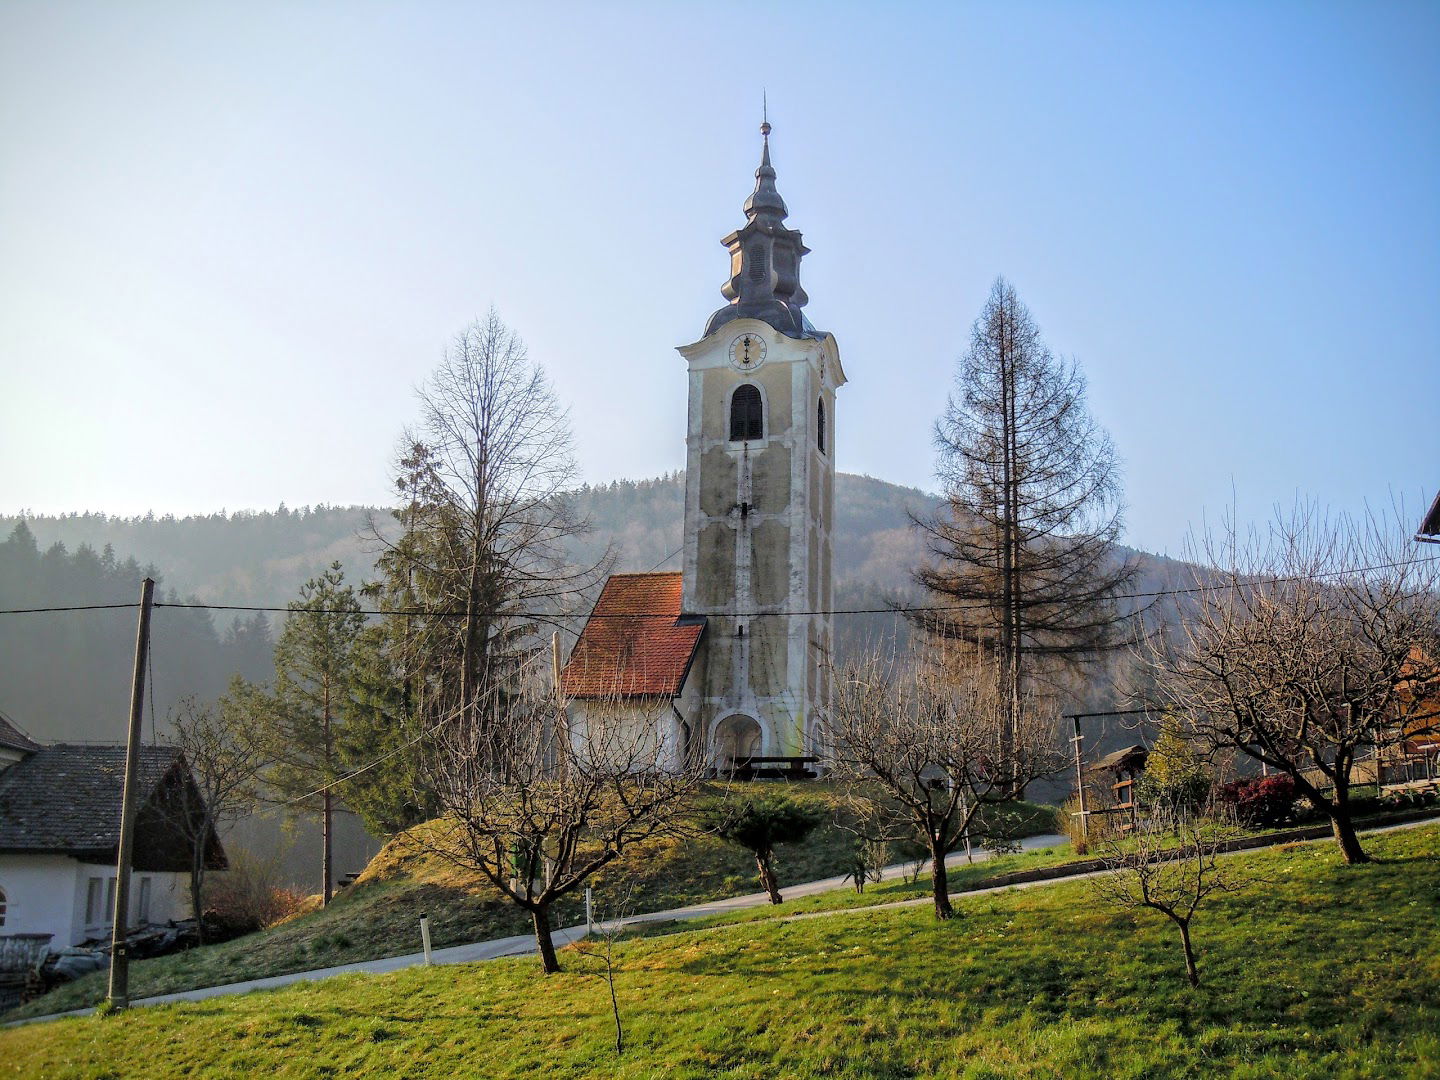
(1130, 757)
(1431, 525)
(13, 738)
(636, 642)
(65, 799)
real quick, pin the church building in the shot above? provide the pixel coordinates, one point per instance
(728, 657)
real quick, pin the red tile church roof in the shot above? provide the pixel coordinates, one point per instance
(636, 642)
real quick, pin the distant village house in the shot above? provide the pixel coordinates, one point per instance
(60, 828)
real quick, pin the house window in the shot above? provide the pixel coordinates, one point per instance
(747, 414)
(820, 424)
(108, 914)
(2, 907)
(93, 898)
(142, 908)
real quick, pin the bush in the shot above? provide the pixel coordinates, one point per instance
(1265, 801)
(250, 896)
(1414, 799)
(1176, 779)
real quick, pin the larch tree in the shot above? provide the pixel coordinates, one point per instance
(1023, 558)
(315, 660)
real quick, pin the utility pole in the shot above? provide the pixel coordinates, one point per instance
(1080, 780)
(119, 958)
(562, 724)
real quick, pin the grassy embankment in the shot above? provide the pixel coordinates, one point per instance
(379, 915)
(1314, 970)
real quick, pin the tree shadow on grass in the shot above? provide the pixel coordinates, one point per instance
(1401, 860)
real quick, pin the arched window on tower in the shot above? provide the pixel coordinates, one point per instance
(747, 414)
(820, 424)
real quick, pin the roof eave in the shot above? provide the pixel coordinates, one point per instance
(1430, 525)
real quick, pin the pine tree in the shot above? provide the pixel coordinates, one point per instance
(314, 694)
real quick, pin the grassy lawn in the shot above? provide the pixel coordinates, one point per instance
(1320, 970)
(895, 887)
(379, 916)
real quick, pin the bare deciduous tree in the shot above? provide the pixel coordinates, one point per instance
(1168, 865)
(1301, 661)
(225, 749)
(483, 481)
(604, 935)
(1025, 543)
(537, 808)
(925, 731)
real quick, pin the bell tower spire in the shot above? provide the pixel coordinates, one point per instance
(760, 497)
(765, 259)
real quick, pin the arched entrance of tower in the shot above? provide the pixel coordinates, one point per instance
(737, 737)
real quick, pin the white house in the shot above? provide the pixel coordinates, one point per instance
(60, 828)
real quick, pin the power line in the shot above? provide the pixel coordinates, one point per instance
(370, 765)
(666, 559)
(69, 607)
(899, 609)
(453, 714)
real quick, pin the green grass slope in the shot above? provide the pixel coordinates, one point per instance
(379, 915)
(1318, 970)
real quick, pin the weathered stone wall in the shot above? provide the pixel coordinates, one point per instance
(758, 535)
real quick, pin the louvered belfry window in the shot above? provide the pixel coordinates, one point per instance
(820, 424)
(747, 414)
(757, 262)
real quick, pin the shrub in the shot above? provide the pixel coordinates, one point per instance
(1264, 801)
(1408, 800)
(1176, 779)
(251, 895)
(758, 823)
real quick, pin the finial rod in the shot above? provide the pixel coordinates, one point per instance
(764, 113)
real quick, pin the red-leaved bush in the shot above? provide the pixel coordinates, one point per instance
(1264, 801)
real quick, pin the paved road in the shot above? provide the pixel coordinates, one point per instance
(523, 944)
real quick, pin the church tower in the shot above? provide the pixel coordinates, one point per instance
(760, 494)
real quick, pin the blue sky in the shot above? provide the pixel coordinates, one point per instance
(234, 237)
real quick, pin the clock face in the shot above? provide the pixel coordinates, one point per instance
(747, 351)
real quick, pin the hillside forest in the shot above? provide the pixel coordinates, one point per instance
(66, 675)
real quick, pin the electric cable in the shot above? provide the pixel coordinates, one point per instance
(898, 609)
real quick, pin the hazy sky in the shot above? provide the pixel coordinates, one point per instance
(234, 237)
